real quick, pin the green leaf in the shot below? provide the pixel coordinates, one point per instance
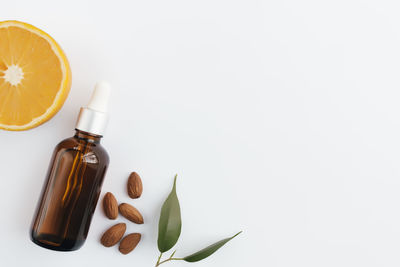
(170, 224)
(205, 252)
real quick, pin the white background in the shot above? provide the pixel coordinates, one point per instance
(282, 119)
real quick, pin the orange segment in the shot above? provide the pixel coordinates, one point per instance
(35, 77)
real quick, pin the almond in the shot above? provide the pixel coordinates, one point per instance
(129, 242)
(131, 213)
(110, 206)
(135, 186)
(113, 235)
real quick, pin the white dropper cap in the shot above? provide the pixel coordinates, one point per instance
(93, 118)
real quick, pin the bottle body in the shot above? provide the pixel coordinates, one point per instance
(70, 193)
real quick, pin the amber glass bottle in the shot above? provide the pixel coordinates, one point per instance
(74, 181)
(70, 194)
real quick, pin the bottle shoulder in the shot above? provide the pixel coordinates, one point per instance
(67, 143)
(73, 144)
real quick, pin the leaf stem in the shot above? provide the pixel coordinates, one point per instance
(167, 260)
(159, 258)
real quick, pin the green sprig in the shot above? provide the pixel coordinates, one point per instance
(169, 230)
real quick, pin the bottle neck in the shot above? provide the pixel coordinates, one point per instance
(88, 137)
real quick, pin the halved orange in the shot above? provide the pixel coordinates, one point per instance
(35, 77)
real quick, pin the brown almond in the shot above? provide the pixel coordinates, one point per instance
(113, 235)
(135, 186)
(129, 242)
(131, 213)
(110, 206)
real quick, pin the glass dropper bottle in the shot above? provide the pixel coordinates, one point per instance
(74, 180)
